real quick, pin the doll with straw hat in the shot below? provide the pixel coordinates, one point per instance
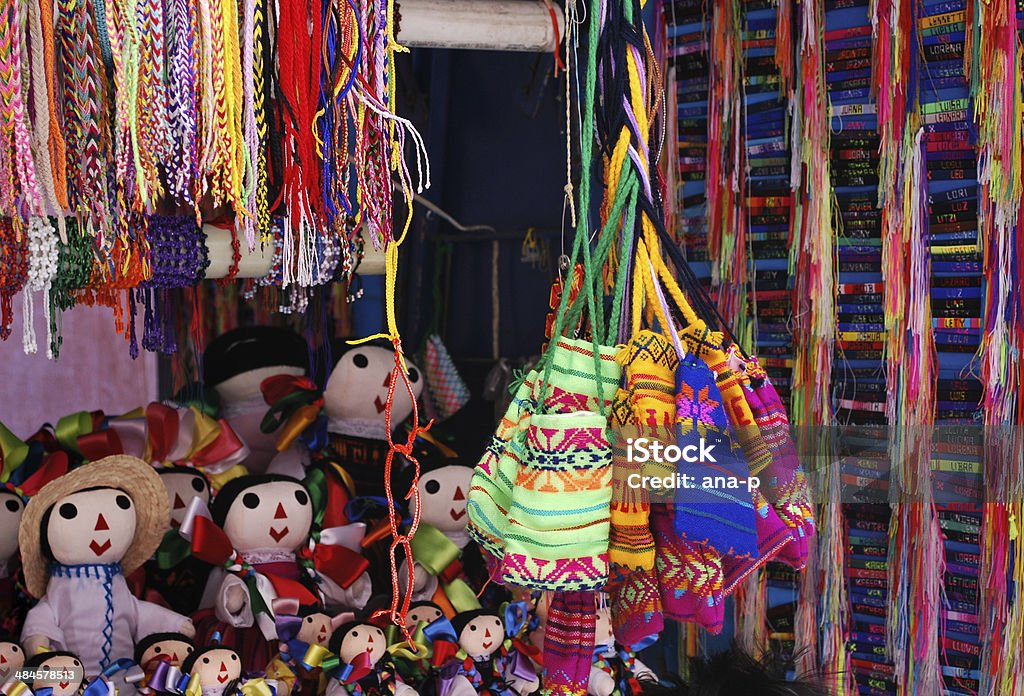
(79, 536)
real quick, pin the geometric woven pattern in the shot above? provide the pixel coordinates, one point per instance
(783, 482)
(719, 516)
(490, 489)
(689, 575)
(558, 521)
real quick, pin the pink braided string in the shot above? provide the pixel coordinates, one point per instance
(14, 121)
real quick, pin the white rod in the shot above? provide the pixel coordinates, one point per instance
(496, 25)
(253, 264)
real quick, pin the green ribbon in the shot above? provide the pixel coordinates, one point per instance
(13, 452)
(70, 428)
(173, 549)
(433, 550)
(316, 485)
(461, 595)
(284, 408)
(258, 605)
(400, 648)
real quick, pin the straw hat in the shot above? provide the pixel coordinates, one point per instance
(130, 474)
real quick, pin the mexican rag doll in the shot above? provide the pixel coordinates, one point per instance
(161, 655)
(304, 633)
(366, 667)
(58, 670)
(616, 670)
(486, 660)
(217, 669)
(79, 536)
(447, 566)
(355, 400)
(235, 365)
(262, 536)
(173, 572)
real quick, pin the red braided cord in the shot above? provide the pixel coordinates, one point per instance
(400, 605)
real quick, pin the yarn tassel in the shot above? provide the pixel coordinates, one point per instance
(751, 608)
(727, 246)
(994, 65)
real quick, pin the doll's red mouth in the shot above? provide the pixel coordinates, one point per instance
(457, 514)
(99, 549)
(64, 685)
(487, 645)
(222, 678)
(277, 535)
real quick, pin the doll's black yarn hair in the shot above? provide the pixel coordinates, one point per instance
(235, 487)
(463, 619)
(36, 662)
(190, 470)
(338, 637)
(153, 638)
(194, 656)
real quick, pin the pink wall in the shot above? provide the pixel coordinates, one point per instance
(94, 371)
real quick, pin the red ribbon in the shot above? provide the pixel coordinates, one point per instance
(277, 387)
(339, 563)
(162, 425)
(54, 466)
(99, 444)
(452, 572)
(210, 543)
(338, 497)
(444, 650)
(286, 587)
(357, 669)
(226, 444)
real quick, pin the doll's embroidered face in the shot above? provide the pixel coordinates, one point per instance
(12, 658)
(315, 629)
(217, 667)
(11, 508)
(424, 612)
(174, 651)
(62, 673)
(358, 387)
(443, 497)
(270, 516)
(482, 636)
(95, 526)
(182, 487)
(362, 638)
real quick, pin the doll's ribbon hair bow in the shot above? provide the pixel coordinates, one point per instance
(166, 678)
(352, 672)
(105, 685)
(169, 434)
(332, 551)
(24, 468)
(296, 404)
(16, 687)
